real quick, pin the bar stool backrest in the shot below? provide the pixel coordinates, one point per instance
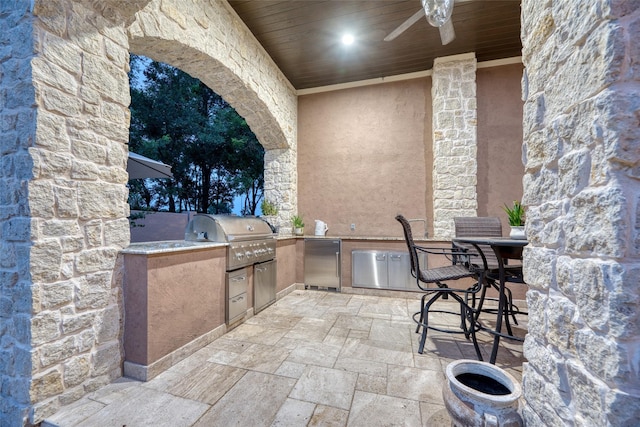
(413, 253)
(479, 226)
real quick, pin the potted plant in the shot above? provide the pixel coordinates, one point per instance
(298, 225)
(270, 214)
(268, 208)
(516, 220)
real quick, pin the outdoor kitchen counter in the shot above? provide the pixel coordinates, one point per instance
(368, 238)
(174, 302)
(350, 243)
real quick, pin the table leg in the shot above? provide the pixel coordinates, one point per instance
(501, 304)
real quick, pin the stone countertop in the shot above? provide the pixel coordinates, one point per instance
(168, 246)
(349, 237)
(370, 238)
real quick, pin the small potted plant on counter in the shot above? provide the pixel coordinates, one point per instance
(516, 220)
(298, 225)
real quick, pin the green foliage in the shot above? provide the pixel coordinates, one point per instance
(213, 154)
(133, 216)
(515, 214)
(297, 221)
(268, 208)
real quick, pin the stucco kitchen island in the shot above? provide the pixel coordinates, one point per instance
(174, 303)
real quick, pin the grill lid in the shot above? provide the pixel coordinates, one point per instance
(226, 228)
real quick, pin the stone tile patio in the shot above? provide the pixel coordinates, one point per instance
(311, 359)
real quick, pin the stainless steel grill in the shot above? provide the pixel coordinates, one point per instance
(250, 239)
(252, 244)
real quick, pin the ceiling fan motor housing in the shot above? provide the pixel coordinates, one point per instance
(438, 12)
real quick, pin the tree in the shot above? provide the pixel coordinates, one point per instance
(180, 121)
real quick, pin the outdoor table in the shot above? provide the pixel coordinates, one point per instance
(504, 248)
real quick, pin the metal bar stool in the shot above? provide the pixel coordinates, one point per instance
(440, 275)
(488, 227)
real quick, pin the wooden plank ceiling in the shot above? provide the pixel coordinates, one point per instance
(304, 36)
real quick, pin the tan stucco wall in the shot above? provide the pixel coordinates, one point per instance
(361, 157)
(286, 256)
(365, 154)
(500, 168)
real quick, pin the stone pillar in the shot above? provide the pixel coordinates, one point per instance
(64, 211)
(17, 133)
(454, 141)
(582, 192)
(280, 185)
(64, 121)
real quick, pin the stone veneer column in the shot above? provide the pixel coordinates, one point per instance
(65, 124)
(64, 119)
(582, 193)
(454, 141)
(17, 132)
(280, 185)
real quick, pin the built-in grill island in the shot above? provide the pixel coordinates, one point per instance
(252, 245)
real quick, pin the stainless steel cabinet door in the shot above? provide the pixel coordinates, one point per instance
(370, 269)
(322, 263)
(264, 285)
(400, 270)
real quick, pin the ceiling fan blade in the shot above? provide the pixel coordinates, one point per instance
(405, 25)
(447, 34)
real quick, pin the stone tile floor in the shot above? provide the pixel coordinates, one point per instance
(311, 359)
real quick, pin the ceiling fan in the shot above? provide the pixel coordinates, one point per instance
(438, 13)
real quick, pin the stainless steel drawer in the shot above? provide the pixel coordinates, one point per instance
(237, 307)
(237, 283)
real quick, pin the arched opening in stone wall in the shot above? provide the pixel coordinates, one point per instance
(209, 42)
(217, 162)
(238, 93)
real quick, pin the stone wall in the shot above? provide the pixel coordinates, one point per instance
(64, 98)
(17, 133)
(581, 134)
(454, 142)
(207, 40)
(64, 205)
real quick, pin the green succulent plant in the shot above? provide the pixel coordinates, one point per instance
(515, 214)
(297, 221)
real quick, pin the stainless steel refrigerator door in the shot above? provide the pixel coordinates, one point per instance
(322, 263)
(264, 285)
(369, 269)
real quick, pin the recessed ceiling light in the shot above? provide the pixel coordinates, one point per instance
(347, 39)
